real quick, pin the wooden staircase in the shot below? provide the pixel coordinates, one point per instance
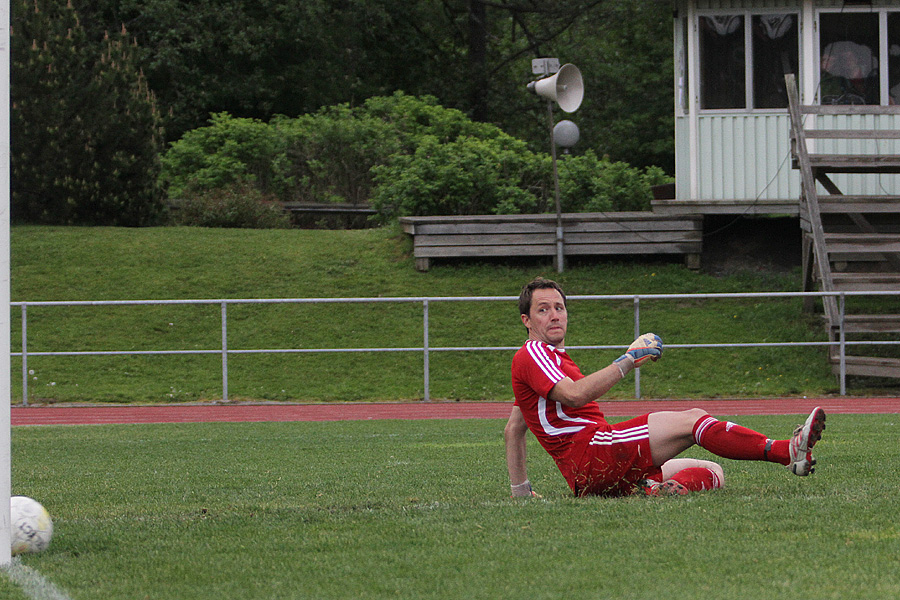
(851, 243)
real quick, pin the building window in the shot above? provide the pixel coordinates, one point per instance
(747, 52)
(848, 61)
(775, 53)
(893, 21)
(722, 63)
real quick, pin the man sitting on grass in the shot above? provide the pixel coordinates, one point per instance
(557, 403)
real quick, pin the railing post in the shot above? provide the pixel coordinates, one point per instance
(224, 352)
(637, 332)
(426, 366)
(843, 346)
(24, 355)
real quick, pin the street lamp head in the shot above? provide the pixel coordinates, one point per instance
(566, 134)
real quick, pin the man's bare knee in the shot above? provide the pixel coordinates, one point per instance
(681, 422)
(688, 418)
(695, 413)
(671, 432)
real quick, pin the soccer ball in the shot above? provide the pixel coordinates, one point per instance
(32, 527)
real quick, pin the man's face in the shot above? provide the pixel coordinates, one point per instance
(547, 320)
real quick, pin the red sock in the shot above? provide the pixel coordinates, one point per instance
(697, 479)
(728, 440)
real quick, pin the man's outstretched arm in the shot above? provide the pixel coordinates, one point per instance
(578, 393)
(514, 436)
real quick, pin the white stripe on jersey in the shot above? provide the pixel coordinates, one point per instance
(544, 361)
(548, 364)
(565, 417)
(632, 434)
(550, 429)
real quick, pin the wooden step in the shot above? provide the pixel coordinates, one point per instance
(871, 223)
(849, 243)
(852, 262)
(871, 324)
(855, 163)
(867, 366)
(852, 134)
(837, 222)
(836, 203)
(862, 282)
(843, 109)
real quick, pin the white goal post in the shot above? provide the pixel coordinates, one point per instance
(5, 387)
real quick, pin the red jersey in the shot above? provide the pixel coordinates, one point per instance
(593, 456)
(536, 368)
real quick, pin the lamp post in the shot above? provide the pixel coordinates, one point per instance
(564, 86)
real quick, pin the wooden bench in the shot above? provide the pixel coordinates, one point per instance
(328, 208)
(584, 234)
(332, 215)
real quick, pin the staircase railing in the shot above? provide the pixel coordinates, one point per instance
(809, 197)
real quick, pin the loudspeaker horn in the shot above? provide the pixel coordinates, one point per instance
(566, 88)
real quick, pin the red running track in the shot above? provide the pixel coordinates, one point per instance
(360, 411)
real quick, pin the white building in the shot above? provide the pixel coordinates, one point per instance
(732, 129)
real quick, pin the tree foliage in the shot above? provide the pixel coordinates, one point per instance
(267, 57)
(85, 134)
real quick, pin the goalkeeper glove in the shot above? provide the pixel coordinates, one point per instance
(647, 347)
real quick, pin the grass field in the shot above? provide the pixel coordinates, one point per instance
(420, 509)
(72, 263)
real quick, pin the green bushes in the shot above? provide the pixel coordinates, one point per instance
(331, 152)
(466, 176)
(236, 204)
(227, 151)
(401, 154)
(589, 184)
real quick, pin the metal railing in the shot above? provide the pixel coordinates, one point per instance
(426, 349)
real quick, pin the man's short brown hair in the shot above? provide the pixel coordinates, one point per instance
(538, 283)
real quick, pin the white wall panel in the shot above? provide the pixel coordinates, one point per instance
(745, 157)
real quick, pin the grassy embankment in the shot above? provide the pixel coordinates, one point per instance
(51, 263)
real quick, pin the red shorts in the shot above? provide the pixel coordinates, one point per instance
(610, 460)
